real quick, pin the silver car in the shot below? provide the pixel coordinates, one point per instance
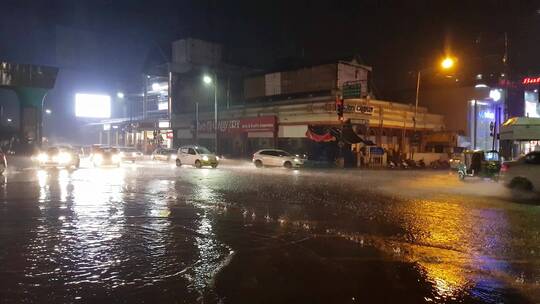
(163, 154)
(276, 158)
(130, 154)
(197, 156)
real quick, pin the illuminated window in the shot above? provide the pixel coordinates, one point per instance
(163, 106)
(531, 104)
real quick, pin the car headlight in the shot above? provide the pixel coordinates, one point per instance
(296, 160)
(116, 158)
(134, 154)
(173, 156)
(64, 158)
(98, 159)
(205, 158)
(42, 157)
(217, 157)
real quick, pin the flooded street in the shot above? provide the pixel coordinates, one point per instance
(151, 232)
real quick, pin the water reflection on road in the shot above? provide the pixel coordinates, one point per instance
(150, 232)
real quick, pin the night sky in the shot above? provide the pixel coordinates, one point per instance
(395, 37)
(392, 36)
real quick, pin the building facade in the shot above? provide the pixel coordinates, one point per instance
(170, 89)
(473, 113)
(244, 129)
(478, 112)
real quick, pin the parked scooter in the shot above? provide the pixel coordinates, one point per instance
(411, 163)
(404, 164)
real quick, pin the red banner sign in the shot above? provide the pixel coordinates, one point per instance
(531, 80)
(249, 124)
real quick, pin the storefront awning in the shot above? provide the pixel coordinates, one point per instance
(350, 137)
(319, 135)
(327, 134)
(521, 129)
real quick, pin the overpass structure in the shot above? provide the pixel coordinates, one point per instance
(31, 84)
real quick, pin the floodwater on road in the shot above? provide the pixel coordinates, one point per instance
(151, 232)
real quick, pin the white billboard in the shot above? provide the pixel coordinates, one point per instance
(92, 105)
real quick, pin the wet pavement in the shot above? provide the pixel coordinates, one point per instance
(153, 233)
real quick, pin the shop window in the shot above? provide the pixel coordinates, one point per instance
(438, 149)
(532, 107)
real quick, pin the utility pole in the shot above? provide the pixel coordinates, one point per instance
(340, 107)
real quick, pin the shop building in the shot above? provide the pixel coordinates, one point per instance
(473, 113)
(478, 112)
(173, 88)
(284, 109)
(520, 133)
(146, 122)
(245, 129)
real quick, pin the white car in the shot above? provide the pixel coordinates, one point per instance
(276, 158)
(196, 156)
(130, 154)
(524, 173)
(164, 154)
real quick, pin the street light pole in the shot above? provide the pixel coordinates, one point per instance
(209, 81)
(446, 64)
(418, 77)
(42, 124)
(196, 123)
(215, 113)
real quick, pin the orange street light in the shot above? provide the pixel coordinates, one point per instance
(447, 63)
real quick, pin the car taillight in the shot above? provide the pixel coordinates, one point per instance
(505, 167)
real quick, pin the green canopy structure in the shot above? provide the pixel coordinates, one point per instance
(31, 84)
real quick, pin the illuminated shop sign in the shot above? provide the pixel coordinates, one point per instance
(351, 108)
(248, 124)
(531, 80)
(488, 115)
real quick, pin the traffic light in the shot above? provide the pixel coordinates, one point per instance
(339, 108)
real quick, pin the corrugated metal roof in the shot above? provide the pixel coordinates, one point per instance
(522, 121)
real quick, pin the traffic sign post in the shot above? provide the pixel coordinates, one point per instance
(351, 89)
